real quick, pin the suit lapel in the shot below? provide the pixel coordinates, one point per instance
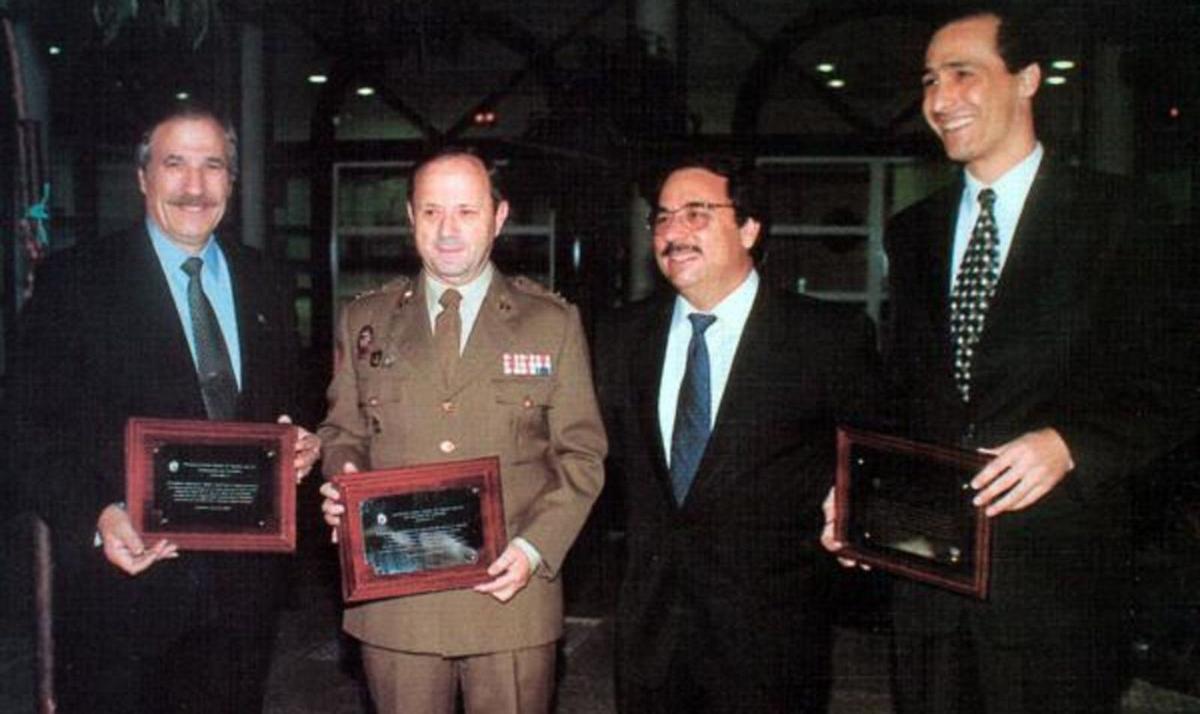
(409, 335)
(649, 347)
(251, 321)
(753, 350)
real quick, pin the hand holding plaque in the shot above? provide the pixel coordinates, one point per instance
(906, 508)
(419, 529)
(207, 485)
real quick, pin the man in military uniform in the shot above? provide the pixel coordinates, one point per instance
(464, 362)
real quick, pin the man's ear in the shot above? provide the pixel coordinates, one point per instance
(1029, 80)
(749, 233)
(501, 215)
(142, 180)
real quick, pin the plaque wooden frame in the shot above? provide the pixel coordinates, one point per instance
(360, 582)
(971, 577)
(144, 437)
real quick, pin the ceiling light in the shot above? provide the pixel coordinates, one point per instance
(1173, 112)
(825, 67)
(182, 96)
(1056, 79)
(54, 50)
(1063, 64)
(836, 83)
(365, 91)
(317, 79)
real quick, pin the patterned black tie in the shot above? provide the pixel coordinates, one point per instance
(447, 333)
(214, 369)
(973, 291)
(693, 411)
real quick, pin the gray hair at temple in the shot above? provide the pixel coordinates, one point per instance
(193, 112)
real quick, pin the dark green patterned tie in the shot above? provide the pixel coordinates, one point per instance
(214, 369)
(973, 291)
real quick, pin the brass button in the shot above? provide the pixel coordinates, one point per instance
(528, 403)
(373, 401)
(448, 407)
(447, 446)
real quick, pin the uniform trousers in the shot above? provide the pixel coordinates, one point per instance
(509, 682)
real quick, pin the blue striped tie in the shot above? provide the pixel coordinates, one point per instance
(693, 411)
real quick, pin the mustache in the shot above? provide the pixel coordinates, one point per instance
(672, 248)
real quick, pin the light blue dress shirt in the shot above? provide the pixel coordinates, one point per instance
(216, 282)
(1011, 191)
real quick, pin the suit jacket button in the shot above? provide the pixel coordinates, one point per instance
(447, 446)
(448, 407)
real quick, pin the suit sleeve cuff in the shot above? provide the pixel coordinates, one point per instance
(535, 558)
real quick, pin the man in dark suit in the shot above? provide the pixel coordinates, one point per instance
(725, 436)
(110, 334)
(1026, 324)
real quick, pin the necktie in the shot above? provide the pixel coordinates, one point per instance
(214, 369)
(692, 412)
(973, 290)
(447, 332)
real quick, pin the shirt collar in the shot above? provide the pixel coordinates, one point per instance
(1015, 182)
(472, 293)
(171, 256)
(732, 310)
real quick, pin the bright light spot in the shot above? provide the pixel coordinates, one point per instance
(1056, 79)
(54, 50)
(365, 91)
(1173, 112)
(182, 96)
(317, 79)
(836, 83)
(825, 67)
(1063, 64)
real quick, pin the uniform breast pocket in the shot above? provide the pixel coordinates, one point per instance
(526, 404)
(383, 400)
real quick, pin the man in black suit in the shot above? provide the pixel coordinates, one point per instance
(1027, 318)
(725, 438)
(142, 627)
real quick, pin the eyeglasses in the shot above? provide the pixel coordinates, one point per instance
(695, 214)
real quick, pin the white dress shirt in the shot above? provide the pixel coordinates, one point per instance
(721, 338)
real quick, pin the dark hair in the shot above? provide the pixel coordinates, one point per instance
(1019, 41)
(445, 152)
(191, 112)
(744, 184)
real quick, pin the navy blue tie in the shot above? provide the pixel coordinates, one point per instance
(693, 412)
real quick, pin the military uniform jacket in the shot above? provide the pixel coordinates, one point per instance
(522, 391)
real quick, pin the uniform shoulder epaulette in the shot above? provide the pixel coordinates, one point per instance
(401, 284)
(536, 289)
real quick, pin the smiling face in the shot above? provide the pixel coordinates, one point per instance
(454, 217)
(187, 180)
(707, 264)
(982, 112)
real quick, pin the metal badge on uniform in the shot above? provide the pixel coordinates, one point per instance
(366, 336)
(527, 365)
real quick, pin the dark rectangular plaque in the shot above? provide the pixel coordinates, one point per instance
(905, 507)
(420, 529)
(208, 485)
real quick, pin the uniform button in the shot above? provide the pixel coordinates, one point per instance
(527, 403)
(373, 401)
(447, 446)
(448, 407)
(376, 426)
